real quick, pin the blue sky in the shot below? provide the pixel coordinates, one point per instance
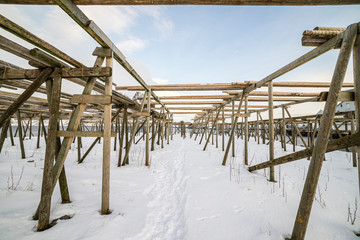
(193, 44)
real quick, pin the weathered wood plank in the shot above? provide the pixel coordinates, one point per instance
(93, 99)
(25, 95)
(141, 114)
(8, 73)
(192, 2)
(318, 154)
(348, 141)
(46, 191)
(73, 134)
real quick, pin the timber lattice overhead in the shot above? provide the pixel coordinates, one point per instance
(52, 65)
(191, 2)
(84, 112)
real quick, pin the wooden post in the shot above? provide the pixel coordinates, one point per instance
(217, 133)
(78, 149)
(318, 154)
(126, 122)
(232, 132)
(257, 127)
(233, 126)
(356, 72)
(163, 127)
(46, 190)
(132, 137)
(11, 134)
(105, 209)
(212, 129)
(4, 133)
(72, 125)
(153, 134)
(20, 135)
(147, 150)
(30, 130)
(246, 141)
(39, 133)
(205, 129)
(353, 130)
(271, 130)
(223, 130)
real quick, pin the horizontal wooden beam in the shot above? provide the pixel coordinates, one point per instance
(250, 99)
(192, 2)
(8, 73)
(228, 86)
(340, 143)
(141, 114)
(82, 134)
(94, 99)
(343, 96)
(276, 94)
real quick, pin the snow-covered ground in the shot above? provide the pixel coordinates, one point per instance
(185, 194)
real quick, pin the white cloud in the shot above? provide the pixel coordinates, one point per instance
(112, 19)
(160, 80)
(131, 45)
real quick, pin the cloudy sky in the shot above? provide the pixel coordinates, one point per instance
(191, 44)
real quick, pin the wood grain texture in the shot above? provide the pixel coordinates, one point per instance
(191, 2)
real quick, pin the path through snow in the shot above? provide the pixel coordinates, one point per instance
(166, 210)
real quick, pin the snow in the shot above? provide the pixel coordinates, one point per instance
(185, 194)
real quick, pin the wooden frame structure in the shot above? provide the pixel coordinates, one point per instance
(54, 65)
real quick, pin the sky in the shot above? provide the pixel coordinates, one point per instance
(191, 44)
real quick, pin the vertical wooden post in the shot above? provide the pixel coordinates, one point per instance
(232, 132)
(153, 134)
(20, 135)
(116, 131)
(126, 126)
(78, 149)
(106, 144)
(11, 134)
(233, 126)
(318, 154)
(356, 72)
(4, 133)
(257, 127)
(147, 150)
(353, 148)
(246, 141)
(30, 132)
(172, 125)
(223, 129)
(162, 127)
(271, 130)
(39, 133)
(217, 133)
(46, 189)
(132, 137)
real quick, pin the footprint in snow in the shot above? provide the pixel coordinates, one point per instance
(210, 217)
(238, 209)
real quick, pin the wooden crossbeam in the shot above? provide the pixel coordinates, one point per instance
(276, 94)
(141, 114)
(94, 99)
(25, 95)
(192, 2)
(82, 134)
(334, 145)
(8, 73)
(228, 86)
